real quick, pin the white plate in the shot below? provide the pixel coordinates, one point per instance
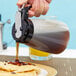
(43, 72)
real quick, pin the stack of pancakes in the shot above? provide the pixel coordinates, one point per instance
(7, 69)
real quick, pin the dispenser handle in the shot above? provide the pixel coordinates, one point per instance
(25, 12)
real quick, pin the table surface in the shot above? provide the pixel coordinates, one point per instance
(64, 66)
(24, 51)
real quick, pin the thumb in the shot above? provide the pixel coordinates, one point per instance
(21, 2)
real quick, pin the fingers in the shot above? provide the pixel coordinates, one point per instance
(48, 1)
(30, 1)
(35, 7)
(39, 7)
(31, 13)
(42, 6)
(21, 2)
(46, 7)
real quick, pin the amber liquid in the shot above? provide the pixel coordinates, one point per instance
(17, 51)
(17, 62)
(54, 43)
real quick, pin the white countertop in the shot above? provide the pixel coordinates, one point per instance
(23, 51)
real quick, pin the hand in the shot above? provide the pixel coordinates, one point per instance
(39, 7)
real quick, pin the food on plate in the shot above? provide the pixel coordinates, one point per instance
(18, 68)
(13, 69)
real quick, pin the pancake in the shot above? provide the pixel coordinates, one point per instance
(23, 68)
(4, 73)
(7, 69)
(30, 69)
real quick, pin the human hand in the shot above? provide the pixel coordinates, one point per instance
(39, 7)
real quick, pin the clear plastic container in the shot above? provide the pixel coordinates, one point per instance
(57, 33)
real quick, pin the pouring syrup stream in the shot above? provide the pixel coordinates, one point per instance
(17, 51)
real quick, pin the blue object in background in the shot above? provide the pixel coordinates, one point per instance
(65, 10)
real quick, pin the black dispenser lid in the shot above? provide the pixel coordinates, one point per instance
(26, 28)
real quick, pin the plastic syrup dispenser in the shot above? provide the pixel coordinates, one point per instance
(48, 38)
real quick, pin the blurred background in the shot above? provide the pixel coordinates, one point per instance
(65, 10)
